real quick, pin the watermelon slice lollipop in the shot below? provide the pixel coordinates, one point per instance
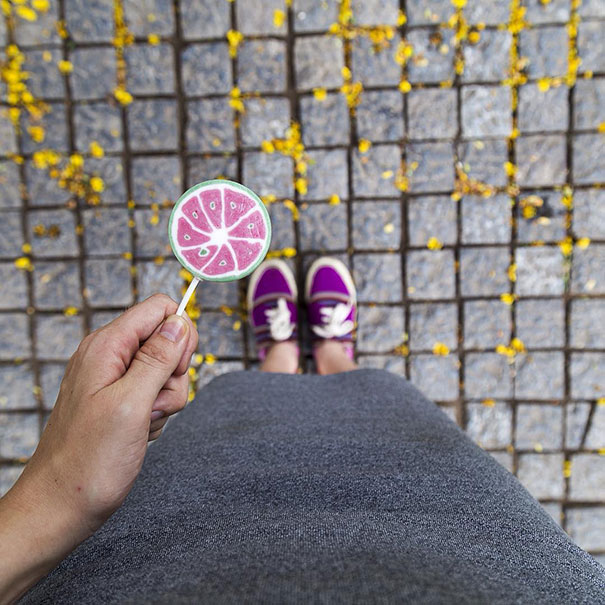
(219, 231)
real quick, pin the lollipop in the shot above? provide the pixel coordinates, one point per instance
(219, 231)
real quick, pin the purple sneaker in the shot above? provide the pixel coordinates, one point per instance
(272, 296)
(331, 302)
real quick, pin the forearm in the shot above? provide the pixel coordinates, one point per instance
(37, 531)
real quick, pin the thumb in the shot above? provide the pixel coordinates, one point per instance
(157, 359)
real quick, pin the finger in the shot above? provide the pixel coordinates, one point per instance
(137, 324)
(156, 425)
(154, 363)
(185, 361)
(173, 396)
(153, 436)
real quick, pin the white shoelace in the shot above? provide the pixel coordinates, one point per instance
(279, 318)
(335, 322)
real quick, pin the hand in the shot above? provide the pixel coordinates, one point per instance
(119, 389)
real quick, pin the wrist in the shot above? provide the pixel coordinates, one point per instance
(38, 529)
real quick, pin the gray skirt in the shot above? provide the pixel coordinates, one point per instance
(346, 488)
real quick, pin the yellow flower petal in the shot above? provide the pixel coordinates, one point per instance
(279, 16)
(441, 349)
(65, 67)
(434, 244)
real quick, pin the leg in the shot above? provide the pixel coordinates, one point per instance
(331, 358)
(331, 308)
(272, 296)
(281, 357)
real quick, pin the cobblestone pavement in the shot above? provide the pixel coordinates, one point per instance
(450, 151)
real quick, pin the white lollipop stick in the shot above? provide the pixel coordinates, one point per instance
(190, 290)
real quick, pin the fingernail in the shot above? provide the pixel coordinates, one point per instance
(156, 415)
(173, 328)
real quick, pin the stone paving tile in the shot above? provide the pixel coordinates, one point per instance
(14, 284)
(106, 231)
(539, 375)
(152, 278)
(487, 375)
(159, 144)
(57, 285)
(541, 160)
(89, 20)
(17, 390)
(548, 224)
(138, 19)
(483, 271)
(319, 61)
(576, 417)
(542, 474)
(589, 214)
(533, 118)
(586, 526)
(590, 35)
(440, 105)
(433, 59)
(326, 121)
(14, 336)
(587, 324)
(377, 277)
(487, 323)
(58, 336)
(486, 111)
(150, 69)
(327, 175)
(262, 66)
(539, 427)
(595, 437)
(380, 329)
(430, 274)
(488, 59)
(486, 221)
(10, 195)
(19, 435)
(431, 323)
(156, 179)
(490, 426)
(93, 70)
(484, 160)
(375, 67)
(585, 276)
(586, 149)
(204, 18)
(376, 224)
(541, 323)
(380, 116)
(51, 375)
(153, 125)
(587, 481)
(539, 271)
(556, 11)
(424, 369)
(206, 68)
(44, 81)
(108, 282)
(587, 372)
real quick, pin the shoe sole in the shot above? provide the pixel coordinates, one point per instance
(274, 263)
(339, 267)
